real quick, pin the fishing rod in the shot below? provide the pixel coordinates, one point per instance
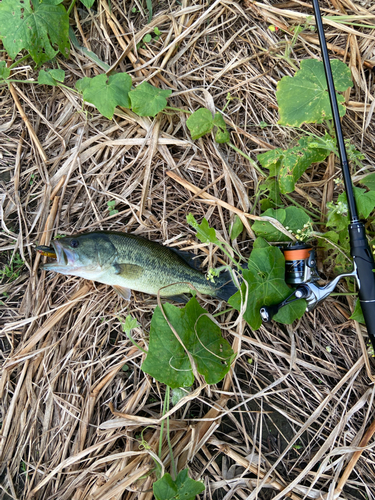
(300, 262)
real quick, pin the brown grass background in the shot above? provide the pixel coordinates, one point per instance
(295, 406)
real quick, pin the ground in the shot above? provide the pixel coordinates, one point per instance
(80, 418)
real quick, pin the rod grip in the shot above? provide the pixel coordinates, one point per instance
(364, 260)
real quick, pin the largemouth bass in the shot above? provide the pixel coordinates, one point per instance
(128, 262)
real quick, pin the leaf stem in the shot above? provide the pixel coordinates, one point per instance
(71, 7)
(253, 163)
(178, 109)
(14, 65)
(169, 438)
(162, 425)
(298, 205)
(223, 312)
(19, 81)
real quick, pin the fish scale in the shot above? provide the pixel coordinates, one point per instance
(129, 262)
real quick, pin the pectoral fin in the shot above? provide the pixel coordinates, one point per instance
(123, 292)
(129, 271)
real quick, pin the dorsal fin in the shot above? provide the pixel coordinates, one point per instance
(190, 258)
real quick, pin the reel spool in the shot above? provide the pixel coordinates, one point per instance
(300, 264)
(301, 274)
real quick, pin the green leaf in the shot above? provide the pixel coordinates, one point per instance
(205, 233)
(4, 71)
(304, 97)
(265, 278)
(219, 121)
(83, 83)
(222, 135)
(357, 313)
(369, 181)
(200, 123)
(88, 3)
(236, 229)
(271, 160)
(271, 186)
(291, 217)
(157, 31)
(149, 7)
(183, 488)
(290, 164)
(296, 161)
(167, 360)
(177, 395)
(51, 77)
(365, 201)
(147, 38)
(106, 92)
(148, 100)
(129, 324)
(38, 28)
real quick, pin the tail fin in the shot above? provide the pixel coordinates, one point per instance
(227, 286)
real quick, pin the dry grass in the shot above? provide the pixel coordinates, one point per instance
(286, 420)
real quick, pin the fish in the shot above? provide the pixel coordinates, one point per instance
(129, 262)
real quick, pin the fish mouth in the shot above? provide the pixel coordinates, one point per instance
(63, 258)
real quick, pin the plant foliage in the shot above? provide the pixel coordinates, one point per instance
(182, 488)
(265, 286)
(106, 92)
(304, 97)
(37, 27)
(166, 359)
(147, 100)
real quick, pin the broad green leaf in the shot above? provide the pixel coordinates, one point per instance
(4, 71)
(222, 136)
(369, 181)
(290, 164)
(200, 123)
(271, 160)
(292, 218)
(177, 395)
(261, 243)
(304, 97)
(88, 3)
(296, 161)
(334, 240)
(271, 187)
(106, 92)
(83, 83)
(365, 201)
(236, 229)
(38, 28)
(167, 360)
(183, 488)
(205, 233)
(357, 313)
(148, 100)
(265, 278)
(51, 77)
(219, 121)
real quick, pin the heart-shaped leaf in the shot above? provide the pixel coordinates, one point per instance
(147, 100)
(167, 360)
(37, 28)
(304, 97)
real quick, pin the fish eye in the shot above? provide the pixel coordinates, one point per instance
(74, 243)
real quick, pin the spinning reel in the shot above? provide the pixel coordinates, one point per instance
(301, 274)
